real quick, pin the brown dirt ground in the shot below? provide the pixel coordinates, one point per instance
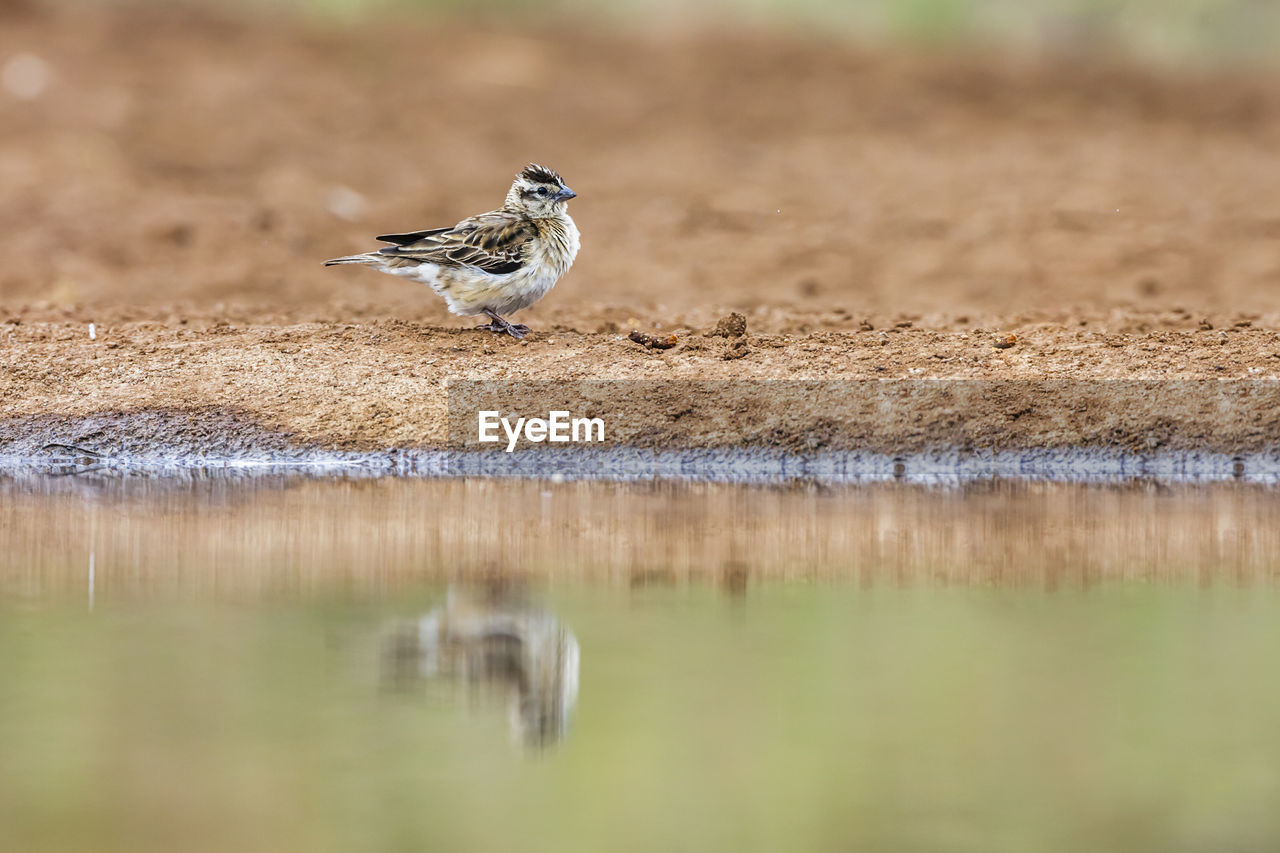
(873, 215)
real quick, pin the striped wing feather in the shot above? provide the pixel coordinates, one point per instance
(495, 242)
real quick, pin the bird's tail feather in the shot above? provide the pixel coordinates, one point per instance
(352, 259)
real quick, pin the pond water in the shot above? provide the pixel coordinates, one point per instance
(321, 664)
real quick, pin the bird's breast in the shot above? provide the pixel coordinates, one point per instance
(559, 244)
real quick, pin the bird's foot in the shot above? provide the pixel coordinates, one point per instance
(499, 325)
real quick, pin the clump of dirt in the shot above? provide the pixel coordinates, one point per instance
(733, 325)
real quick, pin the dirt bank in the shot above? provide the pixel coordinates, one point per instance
(386, 383)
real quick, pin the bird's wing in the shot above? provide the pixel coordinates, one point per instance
(496, 242)
(411, 237)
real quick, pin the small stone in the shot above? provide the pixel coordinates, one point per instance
(1005, 342)
(649, 341)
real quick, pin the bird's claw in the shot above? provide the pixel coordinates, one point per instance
(515, 330)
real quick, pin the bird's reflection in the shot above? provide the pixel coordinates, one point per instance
(494, 639)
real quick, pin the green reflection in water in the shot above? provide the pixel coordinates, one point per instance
(790, 716)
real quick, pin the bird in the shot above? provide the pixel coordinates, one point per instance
(494, 263)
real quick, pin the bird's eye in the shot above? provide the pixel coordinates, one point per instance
(542, 191)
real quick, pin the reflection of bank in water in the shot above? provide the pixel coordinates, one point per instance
(485, 640)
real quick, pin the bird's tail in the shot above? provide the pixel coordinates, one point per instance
(369, 258)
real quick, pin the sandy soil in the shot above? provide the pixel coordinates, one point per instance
(872, 216)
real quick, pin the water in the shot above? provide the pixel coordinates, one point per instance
(295, 664)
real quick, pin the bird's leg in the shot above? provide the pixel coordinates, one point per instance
(498, 324)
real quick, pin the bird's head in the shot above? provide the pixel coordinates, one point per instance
(538, 192)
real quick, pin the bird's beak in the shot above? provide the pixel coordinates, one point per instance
(565, 194)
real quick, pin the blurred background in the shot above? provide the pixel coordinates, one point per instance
(1174, 31)
(936, 159)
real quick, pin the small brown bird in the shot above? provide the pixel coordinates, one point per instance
(495, 263)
